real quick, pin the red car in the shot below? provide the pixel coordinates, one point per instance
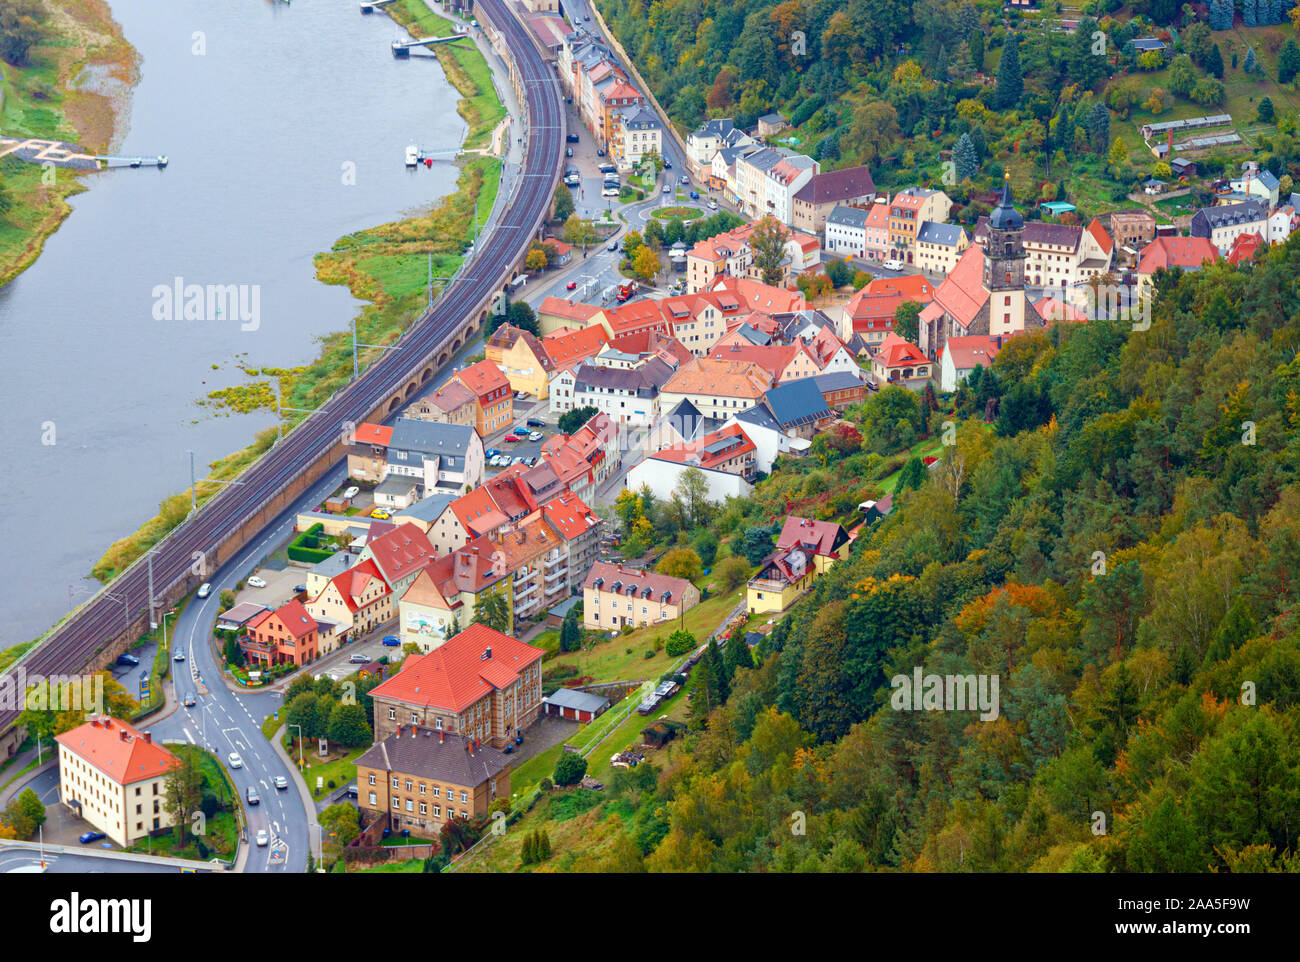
(571, 286)
(512, 438)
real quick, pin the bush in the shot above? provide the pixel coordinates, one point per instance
(569, 769)
(680, 642)
(545, 785)
(731, 573)
(649, 653)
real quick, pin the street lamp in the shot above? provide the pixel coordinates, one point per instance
(299, 727)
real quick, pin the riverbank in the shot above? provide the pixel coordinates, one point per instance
(74, 87)
(386, 266)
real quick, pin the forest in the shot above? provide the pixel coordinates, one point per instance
(1118, 544)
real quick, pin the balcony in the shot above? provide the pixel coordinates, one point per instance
(768, 584)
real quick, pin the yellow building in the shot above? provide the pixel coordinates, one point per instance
(806, 550)
(522, 358)
(113, 776)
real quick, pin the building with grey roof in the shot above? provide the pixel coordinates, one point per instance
(1223, 225)
(441, 456)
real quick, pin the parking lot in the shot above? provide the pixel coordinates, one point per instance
(279, 586)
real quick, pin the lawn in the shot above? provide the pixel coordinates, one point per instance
(685, 213)
(221, 832)
(335, 773)
(413, 865)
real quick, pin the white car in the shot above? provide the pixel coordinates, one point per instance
(713, 205)
(235, 760)
(667, 189)
(256, 582)
(893, 264)
(535, 436)
(179, 656)
(262, 838)
(281, 782)
(205, 589)
(351, 492)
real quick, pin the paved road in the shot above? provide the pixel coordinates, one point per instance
(75, 642)
(25, 858)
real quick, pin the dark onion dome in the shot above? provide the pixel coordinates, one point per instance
(1005, 216)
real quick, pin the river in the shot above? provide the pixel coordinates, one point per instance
(285, 127)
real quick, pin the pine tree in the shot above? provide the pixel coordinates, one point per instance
(718, 672)
(964, 158)
(544, 846)
(1214, 62)
(1251, 64)
(1265, 111)
(1099, 128)
(1288, 62)
(977, 51)
(1011, 81)
(738, 654)
(941, 65)
(1248, 13)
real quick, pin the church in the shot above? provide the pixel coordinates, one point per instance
(985, 292)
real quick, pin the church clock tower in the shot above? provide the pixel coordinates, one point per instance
(1004, 257)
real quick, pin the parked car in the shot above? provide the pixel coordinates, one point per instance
(85, 838)
(512, 438)
(392, 641)
(281, 783)
(608, 169)
(262, 838)
(179, 656)
(600, 151)
(128, 659)
(568, 151)
(351, 492)
(695, 195)
(299, 589)
(535, 436)
(235, 760)
(256, 582)
(892, 264)
(571, 286)
(683, 180)
(612, 245)
(492, 452)
(205, 589)
(189, 701)
(381, 514)
(357, 658)
(530, 461)
(608, 191)
(253, 797)
(535, 423)
(713, 205)
(571, 138)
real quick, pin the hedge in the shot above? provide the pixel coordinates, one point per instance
(306, 547)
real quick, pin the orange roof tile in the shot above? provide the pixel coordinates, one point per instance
(457, 674)
(118, 750)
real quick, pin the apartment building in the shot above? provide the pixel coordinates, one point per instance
(450, 404)
(417, 779)
(824, 192)
(716, 388)
(613, 596)
(114, 776)
(1059, 255)
(355, 602)
(907, 211)
(287, 635)
(711, 137)
(846, 232)
(482, 684)
(523, 359)
(939, 246)
(493, 399)
(1221, 226)
(726, 458)
(441, 457)
(637, 132)
(784, 180)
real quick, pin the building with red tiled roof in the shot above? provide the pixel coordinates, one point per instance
(814, 201)
(399, 554)
(452, 403)
(368, 452)
(826, 541)
(113, 775)
(1166, 253)
(727, 459)
(493, 398)
(870, 312)
(481, 683)
(898, 362)
(555, 313)
(1052, 309)
(355, 602)
(613, 596)
(1244, 247)
(961, 355)
(579, 527)
(523, 359)
(287, 635)
(569, 347)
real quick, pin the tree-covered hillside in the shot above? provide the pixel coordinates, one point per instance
(1120, 547)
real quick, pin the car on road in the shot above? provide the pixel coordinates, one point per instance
(357, 658)
(281, 782)
(668, 165)
(571, 286)
(668, 189)
(713, 205)
(128, 660)
(179, 656)
(262, 838)
(351, 492)
(695, 195)
(586, 17)
(189, 701)
(571, 138)
(253, 797)
(568, 151)
(381, 514)
(892, 264)
(299, 589)
(535, 436)
(256, 582)
(392, 641)
(600, 151)
(535, 423)
(85, 838)
(612, 245)
(205, 589)
(235, 760)
(683, 180)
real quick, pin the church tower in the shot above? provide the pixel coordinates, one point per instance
(1004, 255)
(1004, 268)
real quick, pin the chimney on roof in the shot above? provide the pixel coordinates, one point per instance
(108, 722)
(123, 736)
(487, 653)
(399, 731)
(148, 737)
(441, 736)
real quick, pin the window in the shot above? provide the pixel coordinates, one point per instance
(372, 778)
(396, 783)
(408, 784)
(437, 811)
(464, 796)
(392, 714)
(437, 792)
(424, 808)
(395, 802)
(410, 805)
(422, 788)
(414, 718)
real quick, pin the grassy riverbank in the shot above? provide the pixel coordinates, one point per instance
(386, 266)
(71, 88)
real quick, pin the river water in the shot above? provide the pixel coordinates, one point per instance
(285, 128)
